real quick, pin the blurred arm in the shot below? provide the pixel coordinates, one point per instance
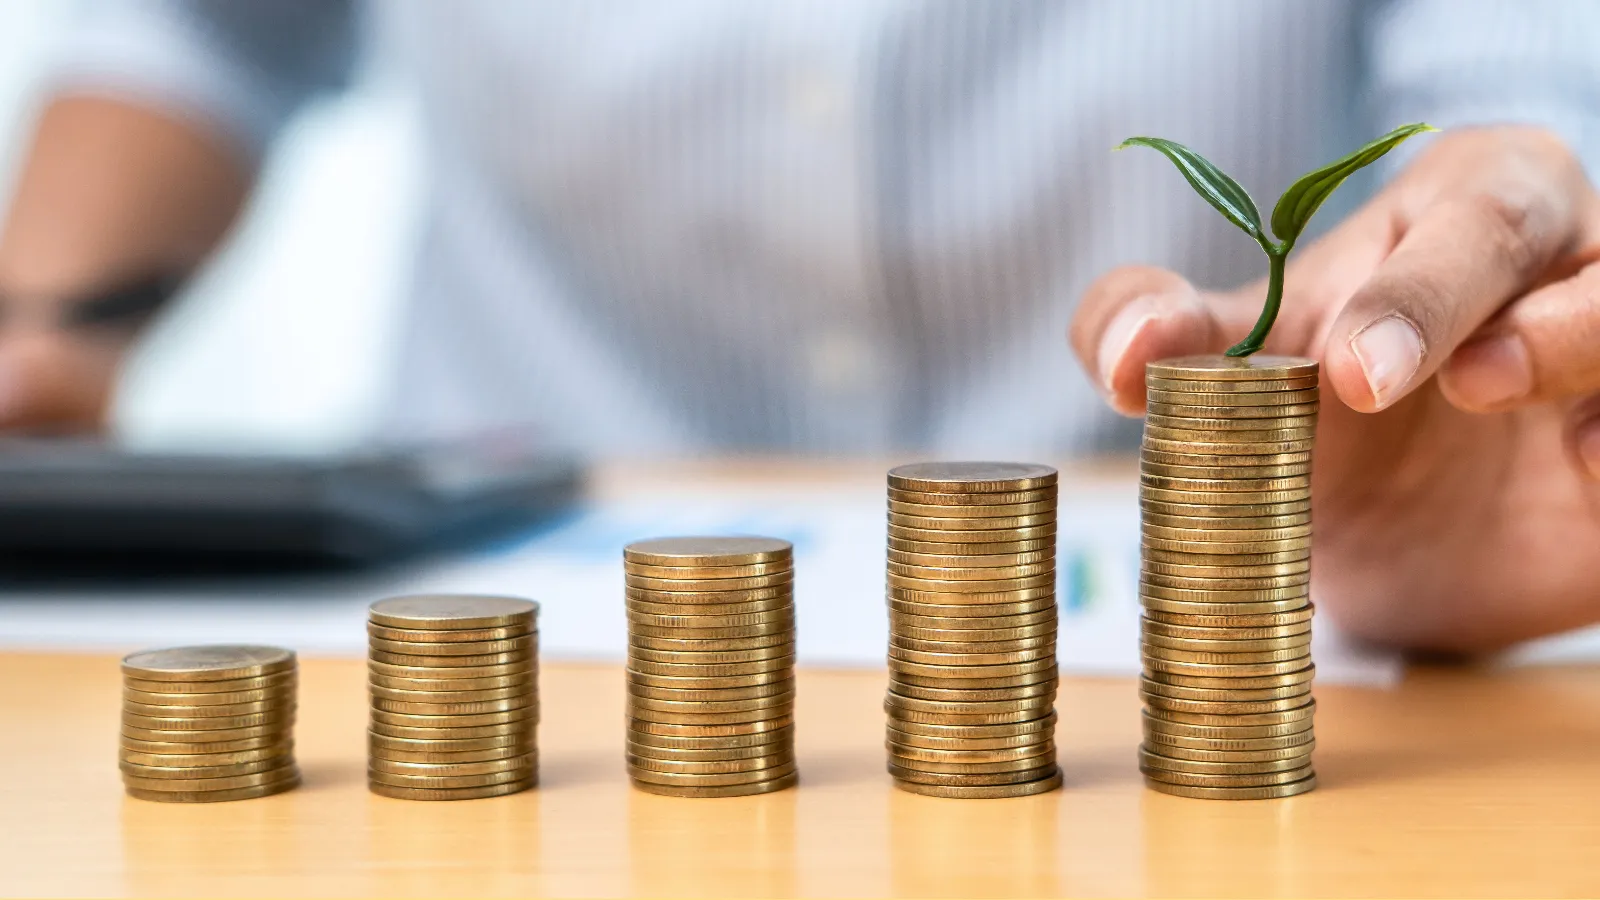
(138, 166)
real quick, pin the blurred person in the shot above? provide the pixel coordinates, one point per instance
(824, 227)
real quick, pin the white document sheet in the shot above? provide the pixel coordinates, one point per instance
(573, 568)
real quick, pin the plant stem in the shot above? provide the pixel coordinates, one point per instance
(1277, 254)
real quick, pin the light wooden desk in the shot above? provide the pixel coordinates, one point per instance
(1457, 784)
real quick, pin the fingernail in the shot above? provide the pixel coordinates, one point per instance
(1119, 336)
(1588, 441)
(1491, 371)
(1390, 352)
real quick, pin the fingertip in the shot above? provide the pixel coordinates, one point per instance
(1147, 329)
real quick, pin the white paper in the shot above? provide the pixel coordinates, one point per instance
(574, 570)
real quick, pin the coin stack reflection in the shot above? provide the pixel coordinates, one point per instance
(972, 629)
(1225, 498)
(710, 665)
(209, 723)
(453, 681)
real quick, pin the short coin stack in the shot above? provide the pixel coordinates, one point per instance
(454, 684)
(710, 665)
(209, 723)
(972, 629)
(1225, 496)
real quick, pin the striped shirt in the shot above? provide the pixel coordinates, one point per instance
(849, 226)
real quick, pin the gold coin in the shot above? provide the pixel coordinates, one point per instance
(1223, 524)
(732, 790)
(707, 551)
(1036, 706)
(1213, 510)
(447, 782)
(1215, 472)
(926, 742)
(1270, 620)
(709, 573)
(1272, 435)
(456, 648)
(451, 612)
(750, 764)
(643, 611)
(984, 792)
(736, 682)
(1243, 461)
(781, 615)
(469, 793)
(450, 757)
(1149, 759)
(275, 720)
(244, 793)
(638, 704)
(1229, 646)
(1216, 367)
(1033, 676)
(1158, 496)
(678, 779)
(510, 740)
(967, 538)
(994, 498)
(1225, 571)
(1184, 743)
(1259, 554)
(1267, 792)
(972, 477)
(230, 699)
(972, 586)
(974, 779)
(1279, 726)
(1288, 598)
(210, 739)
(1254, 682)
(780, 714)
(710, 670)
(1215, 695)
(967, 525)
(1225, 484)
(518, 701)
(1006, 574)
(931, 670)
(1235, 398)
(1010, 638)
(1250, 429)
(1281, 717)
(514, 763)
(981, 563)
(1229, 448)
(912, 717)
(447, 636)
(1298, 751)
(742, 633)
(528, 667)
(1043, 689)
(1222, 708)
(279, 682)
(939, 511)
(1198, 583)
(1153, 627)
(521, 729)
(1224, 670)
(189, 773)
(1044, 755)
(449, 690)
(226, 783)
(1251, 386)
(1214, 610)
(975, 656)
(726, 754)
(515, 660)
(1034, 603)
(782, 595)
(180, 759)
(1044, 727)
(445, 720)
(1226, 536)
(1023, 623)
(707, 743)
(208, 662)
(1182, 778)
(282, 707)
(701, 652)
(777, 579)
(1255, 413)
(727, 693)
(1045, 547)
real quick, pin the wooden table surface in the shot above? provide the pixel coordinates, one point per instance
(1459, 783)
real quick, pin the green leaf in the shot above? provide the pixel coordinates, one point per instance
(1300, 202)
(1209, 182)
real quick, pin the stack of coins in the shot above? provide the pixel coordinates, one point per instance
(210, 723)
(972, 629)
(455, 696)
(1225, 495)
(710, 665)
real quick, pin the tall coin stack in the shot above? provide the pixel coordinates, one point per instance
(1225, 496)
(710, 665)
(972, 629)
(209, 723)
(454, 685)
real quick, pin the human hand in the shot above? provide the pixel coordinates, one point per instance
(52, 379)
(1463, 517)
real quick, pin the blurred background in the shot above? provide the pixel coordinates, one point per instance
(294, 322)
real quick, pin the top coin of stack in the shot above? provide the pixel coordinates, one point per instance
(453, 680)
(972, 629)
(209, 723)
(1225, 500)
(710, 665)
